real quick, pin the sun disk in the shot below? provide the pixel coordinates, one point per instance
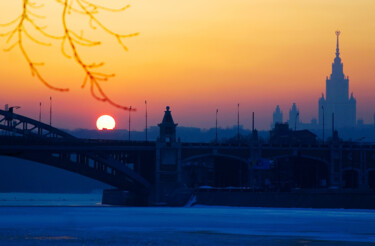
(106, 122)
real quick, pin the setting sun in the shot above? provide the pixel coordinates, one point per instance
(106, 122)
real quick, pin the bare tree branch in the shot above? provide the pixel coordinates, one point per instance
(70, 40)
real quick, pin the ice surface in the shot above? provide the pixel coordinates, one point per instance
(50, 199)
(201, 225)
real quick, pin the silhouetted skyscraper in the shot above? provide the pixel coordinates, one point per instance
(277, 117)
(337, 99)
(293, 116)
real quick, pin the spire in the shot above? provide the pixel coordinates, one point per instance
(337, 47)
(167, 119)
(277, 109)
(167, 128)
(337, 66)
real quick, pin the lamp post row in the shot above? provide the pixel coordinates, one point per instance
(216, 122)
(50, 111)
(146, 120)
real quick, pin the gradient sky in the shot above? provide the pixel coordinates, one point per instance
(196, 56)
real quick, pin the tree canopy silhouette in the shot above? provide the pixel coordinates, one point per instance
(28, 22)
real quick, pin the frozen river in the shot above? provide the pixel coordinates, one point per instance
(101, 225)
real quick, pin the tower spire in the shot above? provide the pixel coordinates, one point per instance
(337, 47)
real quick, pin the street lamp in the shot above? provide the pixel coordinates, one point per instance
(130, 109)
(50, 111)
(238, 123)
(146, 119)
(40, 111)
(10, 110)
(323, 122)
(253, 123)
(217, 110)
(9, 118)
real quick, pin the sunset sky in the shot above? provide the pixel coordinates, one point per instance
(197, 56)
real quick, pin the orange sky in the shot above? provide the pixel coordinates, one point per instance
(196, 56)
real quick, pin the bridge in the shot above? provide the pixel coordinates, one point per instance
(160, 171)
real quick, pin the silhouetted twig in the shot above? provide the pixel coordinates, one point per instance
(69, 40)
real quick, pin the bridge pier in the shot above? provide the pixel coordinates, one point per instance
(334, 171)
(168, 172)
(363, 184)
(116, 197)
(168, 186)
(340, 168)
(255, 154)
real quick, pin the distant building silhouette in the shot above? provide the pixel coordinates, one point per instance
(337, 99)
(277, 117)
(282, 134)
(293, 116)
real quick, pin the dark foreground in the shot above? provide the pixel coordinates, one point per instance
(184, 226)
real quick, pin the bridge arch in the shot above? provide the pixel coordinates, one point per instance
(21, 175)
(370, 173)
(47, 145)
(91, 165)
(350, 178)
(301, 171)
(215, 169)
(325, 162)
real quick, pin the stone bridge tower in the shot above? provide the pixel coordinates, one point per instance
(167, 128)
(168, 156)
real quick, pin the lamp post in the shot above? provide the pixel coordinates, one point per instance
(146, 119)
(130, 109)
(9, 119)
(217, 110)
(40, 111)
(323, 122)
(11, 109)
(253, 123)
(238, 123)
(50, 111)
